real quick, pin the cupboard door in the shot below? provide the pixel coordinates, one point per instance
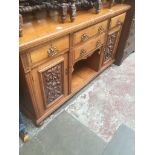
(111, 45)
(51, 82)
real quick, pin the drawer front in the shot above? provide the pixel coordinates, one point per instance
(118, 20)
(81, 51)
(51, 49)
(85, 34)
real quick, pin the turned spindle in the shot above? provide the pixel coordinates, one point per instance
(72, 10)
(111, 3)
(98, 5)
(63, 10)
(20, 25)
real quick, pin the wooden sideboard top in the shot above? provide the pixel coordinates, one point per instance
(40, 31)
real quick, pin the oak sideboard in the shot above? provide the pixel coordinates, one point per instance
(57, 60)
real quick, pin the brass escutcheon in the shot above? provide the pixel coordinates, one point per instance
(101, 29)
(84, 37)
(119, 22)
(98, 43)
(82, 52)
(52, 51)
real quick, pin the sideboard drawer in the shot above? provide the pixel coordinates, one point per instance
(85, 34)
(50, 49)
(118, 20)
(81, 51)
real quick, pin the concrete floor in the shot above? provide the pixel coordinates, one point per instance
(93, 116)
(122, 142)
(67, 136)
(108, 102)
(64, 136)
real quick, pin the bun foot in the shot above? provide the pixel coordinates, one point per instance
(39, 124)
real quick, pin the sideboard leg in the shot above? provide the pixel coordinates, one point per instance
(39, 124)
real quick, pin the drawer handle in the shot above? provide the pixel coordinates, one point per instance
(101, 29)
(84, 37)
(82, 52)
(119, 22)
(52, 51)
(98, 43)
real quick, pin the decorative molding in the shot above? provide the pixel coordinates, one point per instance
(85, 55)
(52, 80)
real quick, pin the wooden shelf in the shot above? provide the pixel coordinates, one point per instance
(81, 75)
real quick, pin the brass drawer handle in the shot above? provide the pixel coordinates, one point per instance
(98, 43)
(84, 37)
(119, 22)
(52, 51)
(101, 29)
(82, 52)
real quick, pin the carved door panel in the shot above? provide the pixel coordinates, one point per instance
(51, 82)
(110, 48)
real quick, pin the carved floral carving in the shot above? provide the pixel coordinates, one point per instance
(108, 50)
(53, 83)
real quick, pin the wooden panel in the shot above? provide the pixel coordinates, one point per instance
(85, 34)
(52, 82)
(50, 49)
(118, 20)
(111, 45)
(80, 51)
